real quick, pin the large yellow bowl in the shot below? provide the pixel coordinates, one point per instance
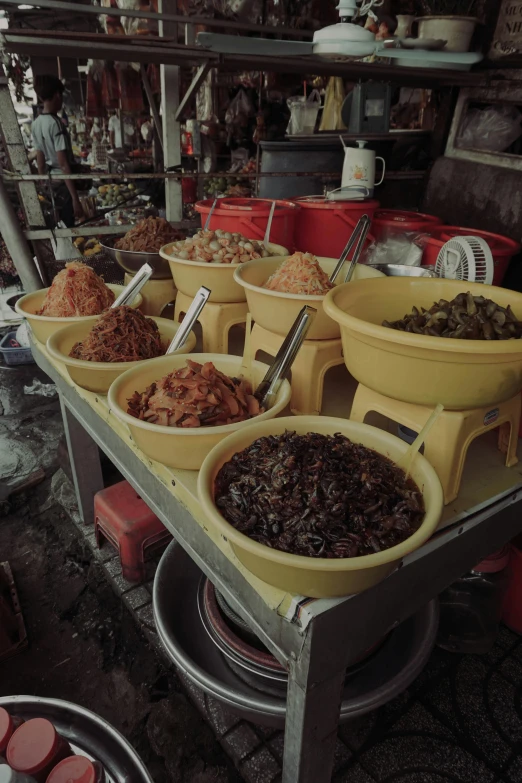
(309, 576)
(98, 376)
(43, 326)
(189, 276)
(276, 311)
(460, 374)
(175, 446)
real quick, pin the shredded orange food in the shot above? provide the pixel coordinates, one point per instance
(76, 291)
(148, 236)
(299, 274)
(120, 335)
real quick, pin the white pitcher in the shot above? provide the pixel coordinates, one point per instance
(359, 167)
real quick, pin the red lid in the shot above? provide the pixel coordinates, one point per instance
(6, 728)
(495, 562)
(392, 216)
(321, 202)
(32, 746)
(76, 769)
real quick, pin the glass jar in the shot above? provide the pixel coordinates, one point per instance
(471, 608)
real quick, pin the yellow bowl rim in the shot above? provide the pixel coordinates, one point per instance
(283, 399)
(82, 364)
(421, 535)
(68, 319)
(210, 265)
(388, 335)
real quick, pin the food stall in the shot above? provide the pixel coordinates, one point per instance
(345, 617)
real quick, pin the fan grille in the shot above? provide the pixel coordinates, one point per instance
(466, 258)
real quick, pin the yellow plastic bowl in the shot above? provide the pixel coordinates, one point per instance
(98, 376)
(460, 374)
(189, 276)
(43, 326)
(276, 311)
(309, 576)
(175, 446)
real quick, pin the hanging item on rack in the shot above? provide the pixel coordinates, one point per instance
(94, 102)
(131, 96)
(110, 88)
(333, 104)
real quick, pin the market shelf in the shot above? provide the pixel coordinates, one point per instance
(161, 50)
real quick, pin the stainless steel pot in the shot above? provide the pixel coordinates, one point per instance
(398, 662)
(88, 734)
(132, 262)
(403, 270)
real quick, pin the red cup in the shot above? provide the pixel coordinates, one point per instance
(8, 725)
(36, 748)
(77, 769)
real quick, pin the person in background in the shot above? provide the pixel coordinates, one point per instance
(54, 150)
(115, 132)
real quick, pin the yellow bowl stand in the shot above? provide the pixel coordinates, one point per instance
(216, 320)
(314, 359)
(157, 294)
(447, 444)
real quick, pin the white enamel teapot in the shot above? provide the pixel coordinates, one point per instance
(359, 170)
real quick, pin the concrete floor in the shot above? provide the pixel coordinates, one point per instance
(92, 640)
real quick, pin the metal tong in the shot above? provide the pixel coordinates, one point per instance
(358, 235)
(269, 386)
(191, 316)
(131, 290)
(266, 240)
(207, 221)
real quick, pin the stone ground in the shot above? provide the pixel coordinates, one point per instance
(92, 641)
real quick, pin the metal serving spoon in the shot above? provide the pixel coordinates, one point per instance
(359, 233)
(191, 316)
(269, 386)
(131, 290)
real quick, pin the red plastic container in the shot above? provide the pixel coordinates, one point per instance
(324, 227)
(8, 725)
(502, 248)
(400, 221)
(512, 610)
(249, 216)
(36, 748)
(77, 769)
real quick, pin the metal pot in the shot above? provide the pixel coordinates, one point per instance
(87, 733)
(403, 270)
(390, 671)
(132, 262)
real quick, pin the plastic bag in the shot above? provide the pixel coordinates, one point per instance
(493, 128)
(404, 249)
(239, 110)
(63, 247)
(333, 103)
(303, 113)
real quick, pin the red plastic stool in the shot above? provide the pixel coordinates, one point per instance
(122, 517)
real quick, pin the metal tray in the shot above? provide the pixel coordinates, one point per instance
(88, 734)
(389, 672)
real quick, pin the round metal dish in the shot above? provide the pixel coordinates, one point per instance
(132, 262)
(88, 734)
(403, 270)
(252, 662)
(398, 662)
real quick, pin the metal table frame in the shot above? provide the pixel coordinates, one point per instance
(317, 657)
